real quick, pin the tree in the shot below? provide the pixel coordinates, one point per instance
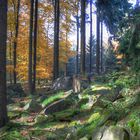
(101, 46)
(3, 38)
(83, 35)
(35, 44)
(15, 41)
(77, 48)
(98, 43)
(90, 63)
(77, 17)
(31, 48)
(56, 40)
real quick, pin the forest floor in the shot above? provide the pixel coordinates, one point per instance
(97, 106)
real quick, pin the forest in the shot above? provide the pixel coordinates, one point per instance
(69, 69)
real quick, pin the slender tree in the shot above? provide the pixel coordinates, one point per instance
(90, 63)
(15, 41)
(56, 39)
(83, 35)
(3, 38)
(10, 57)
(31, 48)
(98, 43)
(101, 46)
(77, 48)
(35, 44)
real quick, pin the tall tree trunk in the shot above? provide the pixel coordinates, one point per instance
(98, 44)
(66, 39)
(30, 67)
(101, 46)
(66, 53)
(35, 44)
(3, 38)
(77, 48)
(83, 35)
(10, 57)
(56, 40)
(15, 42)
(90, 64)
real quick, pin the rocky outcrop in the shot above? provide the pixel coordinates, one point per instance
(58, 106)
(111, 133)
(33, 106)
(62, 83)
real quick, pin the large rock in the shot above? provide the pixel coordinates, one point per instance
(40, 118)
(58, 106)
(33, 106)
(76, 84)
(62, 83)
(111, 133)
(15, 90)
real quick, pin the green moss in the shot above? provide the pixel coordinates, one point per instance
(69, 113)
(13, 135)
(133, 122)
(13, 114)
(36, 132)
(11, 132)
(53, 98)
(94, 117)
(84, 107)
(92, 123)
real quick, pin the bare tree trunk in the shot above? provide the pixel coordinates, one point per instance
(56, 40)
(90, 64)
(77, 49)
(98, 44)
(10, 55)
(35, 44)
(101, 46)
(66, 43)
(66, 53)
(15, 42)
(3, 38)
(30, 67)
(83, 35)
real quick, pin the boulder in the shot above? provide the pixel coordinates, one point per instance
(62, 83)
(76, 84)
(15, 90)
(111, 133)
(58, 106)
(84, 138)
(40, 118)
(33, 106)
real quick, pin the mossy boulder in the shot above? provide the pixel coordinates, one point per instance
(40, 118)
(62, 83)
(84, 138)
(111, 133)
(33, 106)
(58, 106)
